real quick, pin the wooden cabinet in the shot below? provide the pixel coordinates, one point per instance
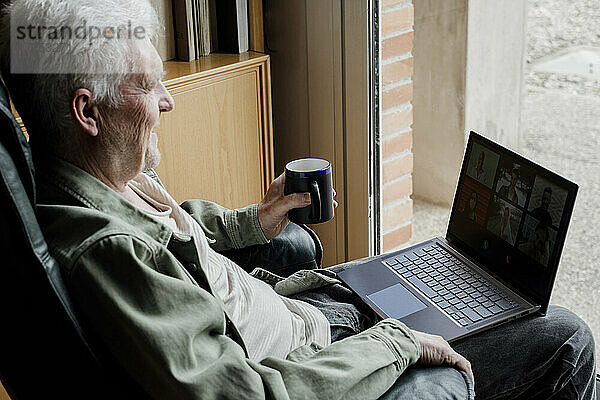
(217, 142)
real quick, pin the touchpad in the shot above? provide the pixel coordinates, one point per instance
(396, 301)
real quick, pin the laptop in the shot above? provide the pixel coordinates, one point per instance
(498, 260)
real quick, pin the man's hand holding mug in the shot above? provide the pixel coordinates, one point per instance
(303, 194)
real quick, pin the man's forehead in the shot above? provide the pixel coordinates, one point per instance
(157, 65)
(146, 59)
(157, 72)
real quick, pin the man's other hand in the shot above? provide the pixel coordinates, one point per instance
(273, 209)
(436, 351)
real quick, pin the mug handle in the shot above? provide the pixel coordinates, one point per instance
(315, 197)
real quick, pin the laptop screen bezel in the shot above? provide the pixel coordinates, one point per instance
(542, 300)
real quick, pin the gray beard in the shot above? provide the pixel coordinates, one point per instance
(151, 159)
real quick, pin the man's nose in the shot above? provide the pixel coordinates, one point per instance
(166, 103)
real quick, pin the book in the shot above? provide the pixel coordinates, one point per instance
(196, 26)
(204, 28)
(232, 26)
(212, 16)
(185, 34)
(165, 43)
(255, 25)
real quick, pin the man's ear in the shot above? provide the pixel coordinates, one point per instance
(85, 111)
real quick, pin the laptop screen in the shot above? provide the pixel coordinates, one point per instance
(511, 215)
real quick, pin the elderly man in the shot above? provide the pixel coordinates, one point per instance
(185, 322)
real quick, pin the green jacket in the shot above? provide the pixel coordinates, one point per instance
(145, 295)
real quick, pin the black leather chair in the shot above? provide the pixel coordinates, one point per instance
(296, 248)
(45, 350)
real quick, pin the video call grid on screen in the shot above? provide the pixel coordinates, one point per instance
(510, 209)
(514, 193)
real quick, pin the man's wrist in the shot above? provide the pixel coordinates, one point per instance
(259, 232)
(404, 344)
(244, 227)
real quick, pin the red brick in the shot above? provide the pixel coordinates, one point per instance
(397, 238)
(396, 215)
(398, 167)
(397, 45)
(393, 122)
(397, 71)
(397, 190)
(397, 19)
(389, 3)
(396, 96)
(396, 144)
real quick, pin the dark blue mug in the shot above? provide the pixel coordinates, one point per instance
(310, 175)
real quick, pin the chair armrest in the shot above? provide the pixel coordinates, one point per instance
(296, 248)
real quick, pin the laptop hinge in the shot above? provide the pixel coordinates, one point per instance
(450, 243)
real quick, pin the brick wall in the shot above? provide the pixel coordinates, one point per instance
(397, 18)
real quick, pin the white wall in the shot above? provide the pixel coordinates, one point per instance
(439, 89)
(496, 48)
(469, 59)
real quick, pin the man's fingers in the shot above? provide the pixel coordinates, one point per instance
(436, 351)
(462, 363)
(275, 190)
(279, 181)
(295, 200)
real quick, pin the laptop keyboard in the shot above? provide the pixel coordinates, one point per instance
(448, 282)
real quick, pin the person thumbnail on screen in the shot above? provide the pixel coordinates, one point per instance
(504, 220)
(537, 240)
(468, 211)
(473, 202)
(482, 164)
(514, 183)
(547, 202)
(541, 212)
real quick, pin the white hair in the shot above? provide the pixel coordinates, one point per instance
(42, 89)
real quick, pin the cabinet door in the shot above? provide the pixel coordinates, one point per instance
(216, 143)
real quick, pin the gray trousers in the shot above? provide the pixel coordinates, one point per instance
(550, 357)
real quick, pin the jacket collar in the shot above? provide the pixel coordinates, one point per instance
(63, 183)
